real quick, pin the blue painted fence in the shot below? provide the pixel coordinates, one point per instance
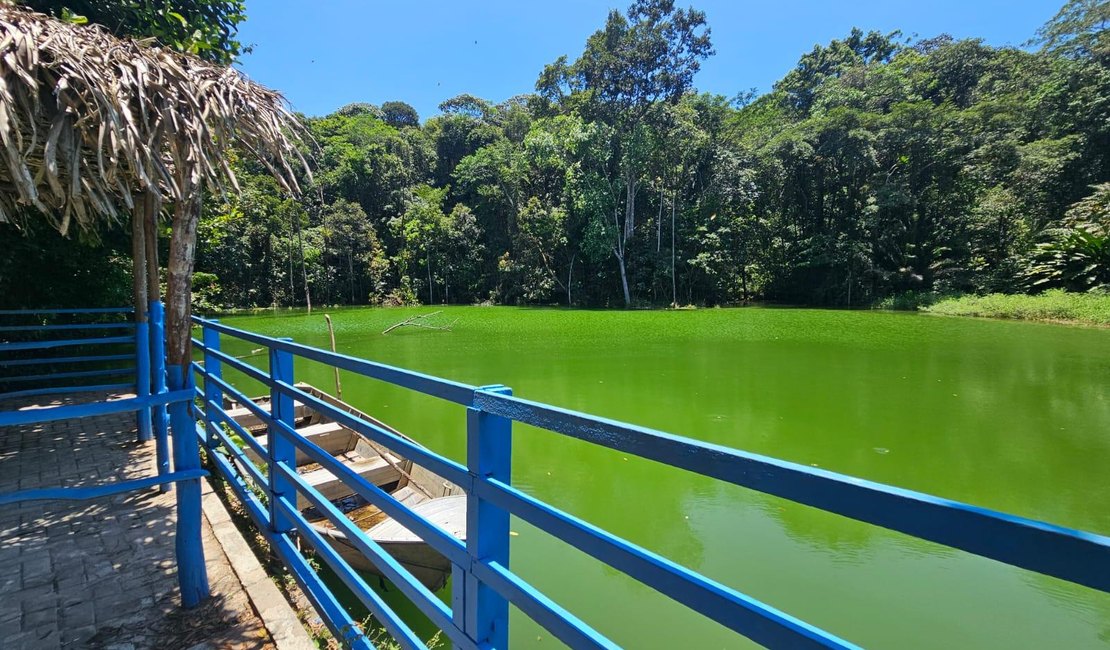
(146, 378)
(35, 340)
(483, 581)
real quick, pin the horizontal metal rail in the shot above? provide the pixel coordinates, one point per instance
(241, 458)
(66, 390)
(566, 627)
(426, 601)
(84, 493)
(760, 622)
(91, 310)
(450, 547)
(451, 391)
(92, 409)
(1072, 555)
(448, 469)
(334, 615)
(68, 327)
(62, 343)
(47, 360)
(69, 375)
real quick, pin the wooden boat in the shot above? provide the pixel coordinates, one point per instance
(434, 498)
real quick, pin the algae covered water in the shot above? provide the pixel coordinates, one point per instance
(1006, 415)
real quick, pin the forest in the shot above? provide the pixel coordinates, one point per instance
(880, 168)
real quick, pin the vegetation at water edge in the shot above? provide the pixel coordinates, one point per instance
(1054, 305)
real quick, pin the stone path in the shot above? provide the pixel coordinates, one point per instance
(101, 573)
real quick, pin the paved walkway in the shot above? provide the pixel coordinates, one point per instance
(101, 574)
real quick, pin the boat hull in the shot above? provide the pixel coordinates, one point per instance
(423, 562)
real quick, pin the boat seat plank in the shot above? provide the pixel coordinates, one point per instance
(409, 496)
(246, 418)
(333, 437)
(376, 470)
(449, 513)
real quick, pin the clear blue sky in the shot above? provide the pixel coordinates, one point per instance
(326, 53)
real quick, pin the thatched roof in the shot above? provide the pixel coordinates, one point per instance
(88, 120)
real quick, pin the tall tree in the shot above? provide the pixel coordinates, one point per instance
(642, 58)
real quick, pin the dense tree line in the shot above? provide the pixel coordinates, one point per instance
(879, 166)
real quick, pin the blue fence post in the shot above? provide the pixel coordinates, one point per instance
(280, 447)
(158, 380)
(488, 455)
(142, 377)
(212, 392)
(192, 576)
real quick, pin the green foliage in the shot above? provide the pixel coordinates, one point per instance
(41, 269)
(206, 292)
(1052, 305)
(399, 114)
(649, 54)
(1079, 28)
(878, 171)
(206, 28)
(909, 301)
(1075, 255)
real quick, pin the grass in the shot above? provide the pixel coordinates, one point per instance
(1054, 305)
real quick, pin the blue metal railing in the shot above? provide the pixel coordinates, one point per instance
(484, 583)
(32, 345)
(147, 378)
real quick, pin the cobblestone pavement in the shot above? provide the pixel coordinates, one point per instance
(101, 573)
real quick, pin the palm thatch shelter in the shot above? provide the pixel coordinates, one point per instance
(97, 129)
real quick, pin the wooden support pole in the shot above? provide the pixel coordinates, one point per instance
(142, 327)
(179, 279)
(488, 454)
(156, 316)
(191, 572)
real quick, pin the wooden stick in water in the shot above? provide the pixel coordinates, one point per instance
(331, 333)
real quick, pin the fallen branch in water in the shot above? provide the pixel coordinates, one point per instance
(415, 321)
(254, 353)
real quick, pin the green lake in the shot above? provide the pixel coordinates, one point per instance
(1006, 415)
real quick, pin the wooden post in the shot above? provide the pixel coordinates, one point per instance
(488, 455)
(186, 449)
(192, 576)
(179, 280)
(212, 392)
(279, 446)
(331, 333)
(142, 328)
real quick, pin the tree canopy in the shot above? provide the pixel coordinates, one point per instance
(879, 166)
(206, 28)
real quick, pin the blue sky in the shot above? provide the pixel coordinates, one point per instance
(328, 53)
